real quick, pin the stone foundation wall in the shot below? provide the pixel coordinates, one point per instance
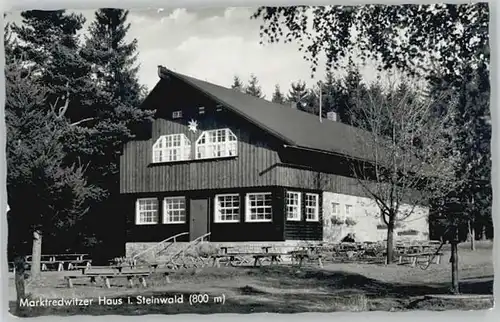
(366, 217)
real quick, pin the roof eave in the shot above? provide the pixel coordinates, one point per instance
(343, 155)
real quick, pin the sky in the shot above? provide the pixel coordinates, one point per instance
(213, 44)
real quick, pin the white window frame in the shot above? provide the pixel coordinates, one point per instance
(177, 114)
(218, 208)
(138, 212)
(181, 209)
(201, 110)
(296, 210)
(348, 210)
(181, 151)
(336, 210)
(248, 208)
(314, 208)
(208, 146)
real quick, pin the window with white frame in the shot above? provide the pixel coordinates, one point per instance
(146, 211)
(172, 147)
(348, 210)
(176, 114)
(227, 208)
(174, 210)
(216, 144)
(312, 206)
(201, 109)
(259, 207)
(335, 208)
(293, 205)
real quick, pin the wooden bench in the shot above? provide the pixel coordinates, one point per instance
(119, 269)
(107, 276)
(415, 257)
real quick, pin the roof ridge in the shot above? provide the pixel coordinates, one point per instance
(278, 105)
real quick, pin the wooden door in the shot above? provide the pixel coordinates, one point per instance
(198, 211)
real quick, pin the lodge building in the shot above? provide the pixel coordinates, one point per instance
(244, 169)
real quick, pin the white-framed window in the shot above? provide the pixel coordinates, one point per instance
(146, 211)
(227, 208)
(216, 144)
(259, 207)
(293, 205)
(172, 147)
(312, 206)
(348, 210)
(201, 109)
(176, 114)
(174, 210)
(335, 208)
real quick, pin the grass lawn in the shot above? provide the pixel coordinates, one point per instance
(281, 289)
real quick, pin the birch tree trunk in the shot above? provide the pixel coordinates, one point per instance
(471, 234)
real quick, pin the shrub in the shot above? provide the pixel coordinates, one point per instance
(350, 222)
(336, 221)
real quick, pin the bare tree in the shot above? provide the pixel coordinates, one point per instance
(407, 145)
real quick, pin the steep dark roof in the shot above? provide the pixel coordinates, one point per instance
(297, 128)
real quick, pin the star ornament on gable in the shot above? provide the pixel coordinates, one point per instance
(193, 126)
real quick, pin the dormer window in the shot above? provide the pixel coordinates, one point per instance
(170, 148)
(201, 110)
(216, 144)
(176, 114)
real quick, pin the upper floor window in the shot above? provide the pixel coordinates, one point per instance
(312, 207)
(176, 114)
(216, 143)
(201, 109)
(146, 211)
(293, 205)
(173, 147)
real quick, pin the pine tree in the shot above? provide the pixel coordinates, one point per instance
(45, 194)
(237, 84)
(48, 41)
(347, 111)
(297, 93)
(333, 94)
(278, 97)
(253, 87)
(472, 143)
(115, 116)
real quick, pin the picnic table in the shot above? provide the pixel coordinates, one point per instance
(110, 273)
(242, 258)
(301, 255)
(57, 261)
(427, 256)
(254, 255)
